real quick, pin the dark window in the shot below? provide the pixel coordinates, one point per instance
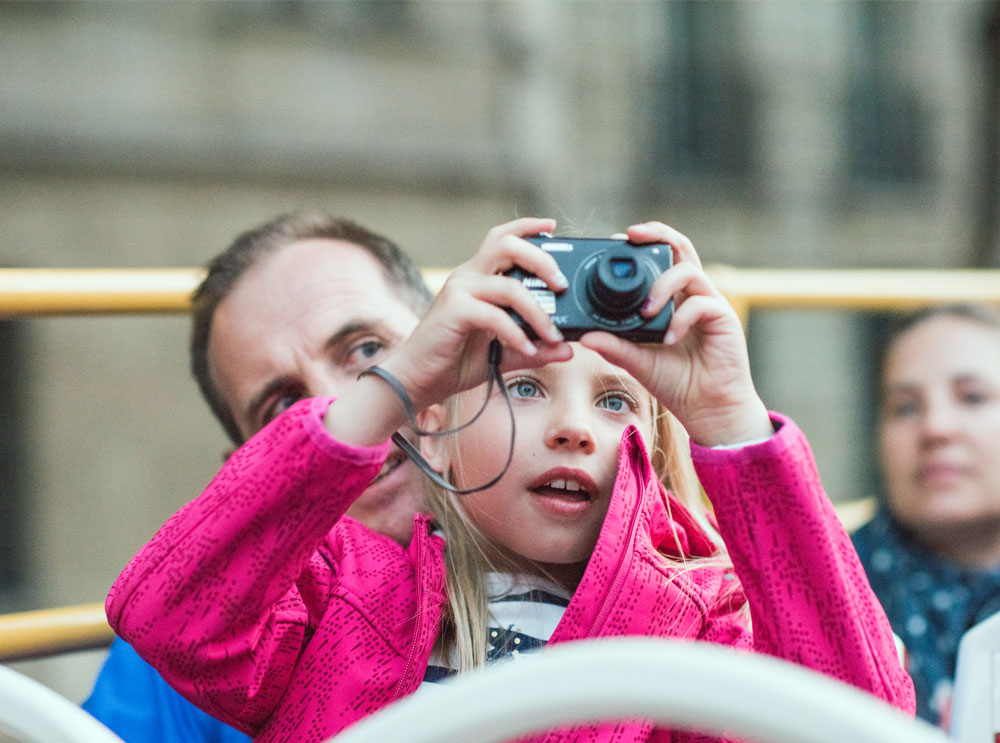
(705, 106)
(886, 121)
(358, 22)
(12, 455)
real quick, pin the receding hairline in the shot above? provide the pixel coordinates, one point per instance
(328, 244)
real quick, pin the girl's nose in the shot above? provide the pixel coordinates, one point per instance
(572, 433)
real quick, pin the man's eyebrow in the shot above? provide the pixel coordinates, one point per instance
(351, 328)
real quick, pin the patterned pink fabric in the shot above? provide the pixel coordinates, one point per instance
(268, 608)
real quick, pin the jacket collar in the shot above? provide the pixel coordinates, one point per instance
(642, 518)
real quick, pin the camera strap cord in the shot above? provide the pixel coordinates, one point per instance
(494, 354)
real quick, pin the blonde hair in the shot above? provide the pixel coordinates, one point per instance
(469, 557)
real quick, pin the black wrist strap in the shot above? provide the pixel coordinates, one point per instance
(494, 355)
(411, 414)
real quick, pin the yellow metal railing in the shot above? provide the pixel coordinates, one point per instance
(26, 292)
(41, 292)
(36, 634)
(51, 292)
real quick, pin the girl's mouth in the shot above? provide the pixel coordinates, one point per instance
(565, 490)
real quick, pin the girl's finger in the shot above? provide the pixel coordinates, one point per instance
(636, 360)
(649, 232)
(508, 293)
(702, 311)
(498, 322)
(523, 227)
(680, 282)
(511, 251)
(515, 359)
(498, 237)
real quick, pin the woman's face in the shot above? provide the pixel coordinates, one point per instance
(940, 428)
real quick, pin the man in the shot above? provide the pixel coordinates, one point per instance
(296, 307)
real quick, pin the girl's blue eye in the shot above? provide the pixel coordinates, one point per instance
(523, 388)
(616, 403)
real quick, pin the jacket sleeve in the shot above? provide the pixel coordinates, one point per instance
(134, 701)
(809, 598)
(226, 594)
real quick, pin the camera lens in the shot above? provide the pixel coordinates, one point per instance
(622, 268)
(617, 285)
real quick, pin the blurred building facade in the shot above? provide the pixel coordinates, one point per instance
(777, 133)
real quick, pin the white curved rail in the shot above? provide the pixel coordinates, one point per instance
(33, 713)
(696, 686)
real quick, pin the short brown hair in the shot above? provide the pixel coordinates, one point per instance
(229, 266)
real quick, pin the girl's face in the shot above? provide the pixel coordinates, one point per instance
(551, 503)
(940, 426)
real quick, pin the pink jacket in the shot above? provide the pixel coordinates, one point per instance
(269, 609)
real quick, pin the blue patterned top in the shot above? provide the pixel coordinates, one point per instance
(930, 601)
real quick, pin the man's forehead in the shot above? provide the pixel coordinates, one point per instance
(336, 258)
(309, 277)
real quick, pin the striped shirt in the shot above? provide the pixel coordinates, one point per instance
(523, 613)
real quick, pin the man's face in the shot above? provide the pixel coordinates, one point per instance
(304, 322)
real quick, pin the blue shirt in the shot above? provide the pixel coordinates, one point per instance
(134, 701)
(930, 601)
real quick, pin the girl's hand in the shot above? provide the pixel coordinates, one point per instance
(447, 352)
(701, 371)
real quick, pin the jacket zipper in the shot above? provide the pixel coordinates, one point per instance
(619, 569)
(419, 535)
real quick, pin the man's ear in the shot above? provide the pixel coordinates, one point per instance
(433, 448)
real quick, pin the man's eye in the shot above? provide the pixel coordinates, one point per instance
(280, 405)
(523, 388)
(364, 352)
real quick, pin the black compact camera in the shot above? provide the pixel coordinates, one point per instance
(608, 282)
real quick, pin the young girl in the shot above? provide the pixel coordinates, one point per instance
(266, 606)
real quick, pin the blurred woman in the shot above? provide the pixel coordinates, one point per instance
(932, 552)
